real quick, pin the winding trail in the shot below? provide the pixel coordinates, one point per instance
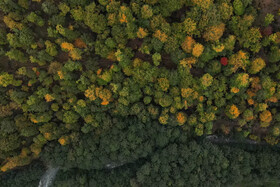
(49, 176)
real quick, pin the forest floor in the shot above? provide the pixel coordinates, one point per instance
(268, 6)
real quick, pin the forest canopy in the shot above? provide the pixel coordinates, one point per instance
(95, 84)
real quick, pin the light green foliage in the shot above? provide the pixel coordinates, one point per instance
(16, 55)
(70, 117)
(34, 18)
(257, 65)
(71, 66)
(241, 24)
(68, 33)
(21, 39)
(163, 84)
(165, 101)
(230, 42)
(251, 39)
(269, 18)
(95, 21)
(78, 13)
(51, 48)
(240, 80)
(156, 59)
(64, 8)
(106, 76)
(206, 80)
(8, 79)
(226, 10)
(239, 7)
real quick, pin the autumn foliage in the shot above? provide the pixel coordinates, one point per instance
(110, 82)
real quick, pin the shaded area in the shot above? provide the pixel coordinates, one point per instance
(28, 176)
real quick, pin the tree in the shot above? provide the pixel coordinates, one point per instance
(34, 18)
(7, 79)
(273, 55)
(51, 48)
(269, 18)
(204, 5)
(188, 44)
(214, 33)
(232, 112)
(70, 117)
(251, 39)
(239, 7)
(240, 80)
(197, 50)
(146, 12)
(257, 65)
(206, 80)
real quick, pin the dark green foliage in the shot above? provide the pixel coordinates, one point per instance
(274, 55)
(206, 164)
(114, 177)
(127, 141)
(16, 55)
(27, 176)
(186, 164)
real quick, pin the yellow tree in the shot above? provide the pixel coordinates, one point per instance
(214, 33)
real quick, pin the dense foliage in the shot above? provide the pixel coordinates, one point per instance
(127, 142)
(181, 164)
(27, 176)
(86, 84)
